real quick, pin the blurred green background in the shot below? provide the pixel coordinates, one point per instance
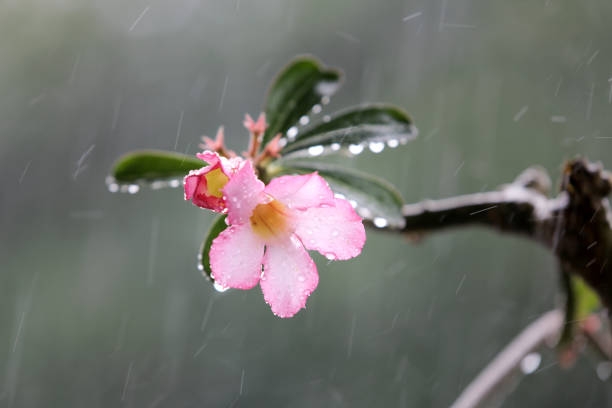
(101, 304)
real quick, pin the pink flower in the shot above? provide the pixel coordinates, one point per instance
(270, 229)
(204, 186)
(257, 128)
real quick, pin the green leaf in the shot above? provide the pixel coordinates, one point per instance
(586, 300)
(204, 255)
(153, 165)
(300, 85)
(372, 126)
(377, 200)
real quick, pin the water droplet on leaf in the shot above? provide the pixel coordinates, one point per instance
(376, 147)
(330, 256)
(292, 133)
(355, 149)
(315, 150)
(380, 222)
(393, 143)
(304, 120)
(604, 370)
(335, 146)
(317, 109)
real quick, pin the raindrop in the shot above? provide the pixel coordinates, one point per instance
(315, 150)
(353, 203)
(403, 140)
(330, 256)
(301, 278)
(365, 213)
(530, 363)
(317, 109)
(355, 149)
(325, 100)
(133, 188)
(309, 232)
(335, 146)
(282, 142)
(393, 143)
(340, 196)
(174, 183)
(304, 120)
(604, 370)
(292, 133)
(376, 147)
(220, 288)
(380, 222)
(113, 188)
(335, 233)
(326, 118)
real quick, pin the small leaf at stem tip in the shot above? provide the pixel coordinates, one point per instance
(301, 85)
(372, 126)
(150, 166)
(216, 228)
(375, 199)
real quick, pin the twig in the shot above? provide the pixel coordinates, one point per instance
(506, 363)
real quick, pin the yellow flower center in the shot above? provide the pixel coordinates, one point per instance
(271, 220)
(215, 181)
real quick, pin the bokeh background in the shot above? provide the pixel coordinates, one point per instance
(101, 304)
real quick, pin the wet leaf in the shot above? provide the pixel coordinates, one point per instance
(300, 86)
(377, 200)
(217, 228)
(152, 165)
(374, 126)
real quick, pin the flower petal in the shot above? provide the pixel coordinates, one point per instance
(235, 257)
(289, 277)
(201, 192)
(243, 193)
(301, 192)
(336, 232)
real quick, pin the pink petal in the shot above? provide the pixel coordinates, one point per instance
(336, 232)
(196, 189)
(243, 193)
(290, 276)
(301, 192)
(235, 257)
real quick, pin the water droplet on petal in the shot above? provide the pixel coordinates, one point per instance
(355, 149)
(393, 143)
(335, 233)
(317, 109)
(340, 196)
(530, 363)
(309, 232)
(315, 150)
(301, 278)
(304, 120)
(335, 146)
(376, 147)
(292, 133)
(353, 203)
(380, 222)
(330, 256)
(220, 288)
(604, 370)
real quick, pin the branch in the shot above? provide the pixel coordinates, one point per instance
(506, 364)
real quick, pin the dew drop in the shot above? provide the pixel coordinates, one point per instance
(317, 109)
(174, 183)
(376, 147)
(330, 256)
(604, 370)
(355, 149)
(133, 188)
(364, 212)
(326, 118)
(304, 120)
(393, 143)
(335, 146)
(340, 196)
(353, 203)
(325, 100)
(282, 142)
(403, 140)
(315, 150)
(530, 363)
(380, 222)
(220, 288)
(292, 133)
(113, 188)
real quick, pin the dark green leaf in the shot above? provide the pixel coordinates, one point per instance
(368, 126)
(204, 255)
(377, 200)
(153, 165)
(300, 86)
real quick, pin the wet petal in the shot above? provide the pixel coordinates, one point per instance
(243, 193)
(300, 192)
(336, 232)
(201, 192)
(235, 257)
(290, 276)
